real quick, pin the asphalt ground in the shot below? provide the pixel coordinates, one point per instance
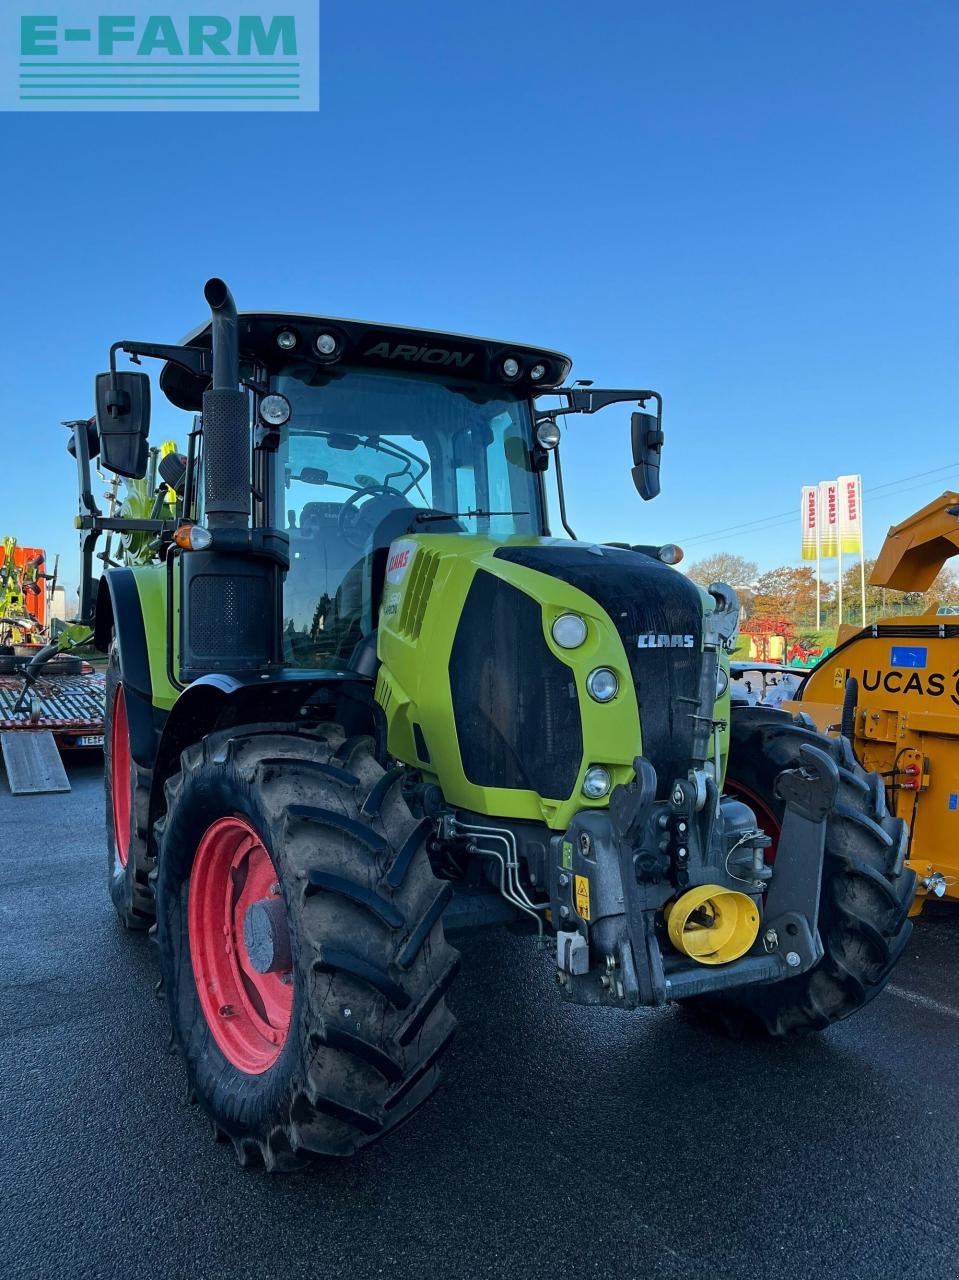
(563, 1142)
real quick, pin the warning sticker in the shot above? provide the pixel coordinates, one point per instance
(838, 678)
(568, 855)
(582, 897)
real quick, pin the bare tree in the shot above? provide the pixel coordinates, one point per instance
(724, 567)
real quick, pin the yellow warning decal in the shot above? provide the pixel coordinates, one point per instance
(582, 897)
(838, 678)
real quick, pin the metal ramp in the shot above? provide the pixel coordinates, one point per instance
(33, 762)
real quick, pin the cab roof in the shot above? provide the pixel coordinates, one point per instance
(454, 356)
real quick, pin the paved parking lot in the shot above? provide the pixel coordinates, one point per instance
(563, 1142)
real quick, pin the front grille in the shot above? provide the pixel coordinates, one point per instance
(643, 598)
(514, 703)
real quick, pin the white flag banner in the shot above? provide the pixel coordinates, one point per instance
(850, 514)
(809, 514)
(828, 519)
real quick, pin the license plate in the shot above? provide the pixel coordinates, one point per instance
(90, 740)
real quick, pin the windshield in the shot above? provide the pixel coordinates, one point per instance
(364, 453)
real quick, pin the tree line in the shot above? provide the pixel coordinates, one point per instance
(787, 595)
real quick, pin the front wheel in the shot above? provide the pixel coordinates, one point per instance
(866, 892)
(301, 943)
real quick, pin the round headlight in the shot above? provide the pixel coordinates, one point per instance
(670, 553)
(538, 371)
(510, 367)
(326, 344)
(596, 782)
(602, 685)
(547, 434)
(569, 630)
(286, 339)
(275, 410)
(722, 681)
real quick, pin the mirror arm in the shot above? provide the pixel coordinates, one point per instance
(194, 359)
(82, 452)
(561, 493)
(189, 479)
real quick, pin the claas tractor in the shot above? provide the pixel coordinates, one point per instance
(892, 688)
(361, 701)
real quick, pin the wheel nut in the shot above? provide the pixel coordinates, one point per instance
(793, 959)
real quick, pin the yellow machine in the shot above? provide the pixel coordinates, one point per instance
(893, 689)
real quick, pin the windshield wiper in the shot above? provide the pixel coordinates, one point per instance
(426, 517)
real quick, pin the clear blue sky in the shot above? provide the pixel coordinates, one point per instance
(750, 206)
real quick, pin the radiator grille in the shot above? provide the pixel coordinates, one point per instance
(514, 703)
(643, 598)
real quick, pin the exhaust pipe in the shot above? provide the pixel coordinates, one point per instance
(226, 348)
(226, 441)
(231, 594)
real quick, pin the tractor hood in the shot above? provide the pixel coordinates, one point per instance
(478, 691)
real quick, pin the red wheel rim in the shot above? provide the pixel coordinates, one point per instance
(120, 768)
(764, 815)
(248, 1012)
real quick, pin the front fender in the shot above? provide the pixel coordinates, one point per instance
(287, 699)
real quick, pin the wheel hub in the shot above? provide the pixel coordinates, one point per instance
(266, 936)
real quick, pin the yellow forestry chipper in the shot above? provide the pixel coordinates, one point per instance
(892, 688)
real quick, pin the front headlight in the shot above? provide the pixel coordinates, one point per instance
(722, 681)
(602, 685)
(569, 630)
(596, 783)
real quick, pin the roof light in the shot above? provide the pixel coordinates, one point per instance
(537, 372)
(275, 410)
(669, 553)
(510, 367)
(286, 339)
(326, 344)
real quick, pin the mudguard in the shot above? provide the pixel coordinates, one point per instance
(294, 699)
(120, 615)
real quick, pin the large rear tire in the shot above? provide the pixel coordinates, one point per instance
(127, 794)
(866, 892)
(338, 1042)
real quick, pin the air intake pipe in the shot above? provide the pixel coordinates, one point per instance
(226, 444)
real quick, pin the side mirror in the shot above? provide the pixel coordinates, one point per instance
(123, 421)
(647, 436)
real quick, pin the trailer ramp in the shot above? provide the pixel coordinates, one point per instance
(33, 762)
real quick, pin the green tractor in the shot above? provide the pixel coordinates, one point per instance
(362, 701)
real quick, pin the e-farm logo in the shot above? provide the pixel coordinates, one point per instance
(175, 55)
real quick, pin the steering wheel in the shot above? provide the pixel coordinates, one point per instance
(353, 523)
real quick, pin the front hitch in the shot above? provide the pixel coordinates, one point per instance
(618, 873)
(792, 904)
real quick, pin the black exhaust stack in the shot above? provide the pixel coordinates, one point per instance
(231, 594)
